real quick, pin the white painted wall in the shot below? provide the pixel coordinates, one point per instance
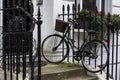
(49, 11)
(115, 10)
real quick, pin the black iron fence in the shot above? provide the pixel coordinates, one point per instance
(18, 58)
(106, 32)
(17, 54)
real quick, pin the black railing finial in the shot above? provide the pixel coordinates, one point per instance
(39, 14)
(39, 22)
(68, 7)
(63, 8)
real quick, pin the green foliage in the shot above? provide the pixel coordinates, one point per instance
(86, 15)
(115, 19)
(94, 21)
(97, 22)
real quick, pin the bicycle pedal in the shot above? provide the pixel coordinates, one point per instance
(77, 59)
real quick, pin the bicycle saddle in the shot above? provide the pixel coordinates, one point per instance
(90, 32)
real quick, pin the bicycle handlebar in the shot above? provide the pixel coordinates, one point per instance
(72, 21)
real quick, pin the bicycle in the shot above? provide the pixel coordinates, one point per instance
(93, 54)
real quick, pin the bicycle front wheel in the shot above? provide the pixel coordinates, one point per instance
(55, 48)
(95, 56)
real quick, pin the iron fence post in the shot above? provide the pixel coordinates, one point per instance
(39, 22)
(108, 43)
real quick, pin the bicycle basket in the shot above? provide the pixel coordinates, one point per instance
(61, 25)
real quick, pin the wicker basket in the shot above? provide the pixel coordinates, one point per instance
(61, 25)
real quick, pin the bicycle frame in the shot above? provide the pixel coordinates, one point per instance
(71, 41)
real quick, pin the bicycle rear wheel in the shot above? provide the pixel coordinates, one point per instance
(94, 56)
(53, 49)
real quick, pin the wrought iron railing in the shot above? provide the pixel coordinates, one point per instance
(111, 39)
(18, 43)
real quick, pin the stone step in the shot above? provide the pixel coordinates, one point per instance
(64, 72)
(8, 75)
(83, 78)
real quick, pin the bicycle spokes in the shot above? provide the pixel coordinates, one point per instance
(54, 48)
(94, 55)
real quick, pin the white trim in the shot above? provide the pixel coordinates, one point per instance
(81, 7)
(68, 0)
(108, 6)
(116, 6)
(98, 4)
(0, 19)
(0, 4)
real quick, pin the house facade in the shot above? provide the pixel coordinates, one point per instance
(51, 8)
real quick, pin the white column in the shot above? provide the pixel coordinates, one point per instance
(106, 6)
(98, 4)
(48, 7)
(110, 6)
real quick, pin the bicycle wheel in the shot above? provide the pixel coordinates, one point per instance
(94, 56)
(53, 49)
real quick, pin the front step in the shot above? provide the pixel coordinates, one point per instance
(8, 76)
(64, 72)
(83, 78)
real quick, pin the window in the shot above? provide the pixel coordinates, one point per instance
(89, 4)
